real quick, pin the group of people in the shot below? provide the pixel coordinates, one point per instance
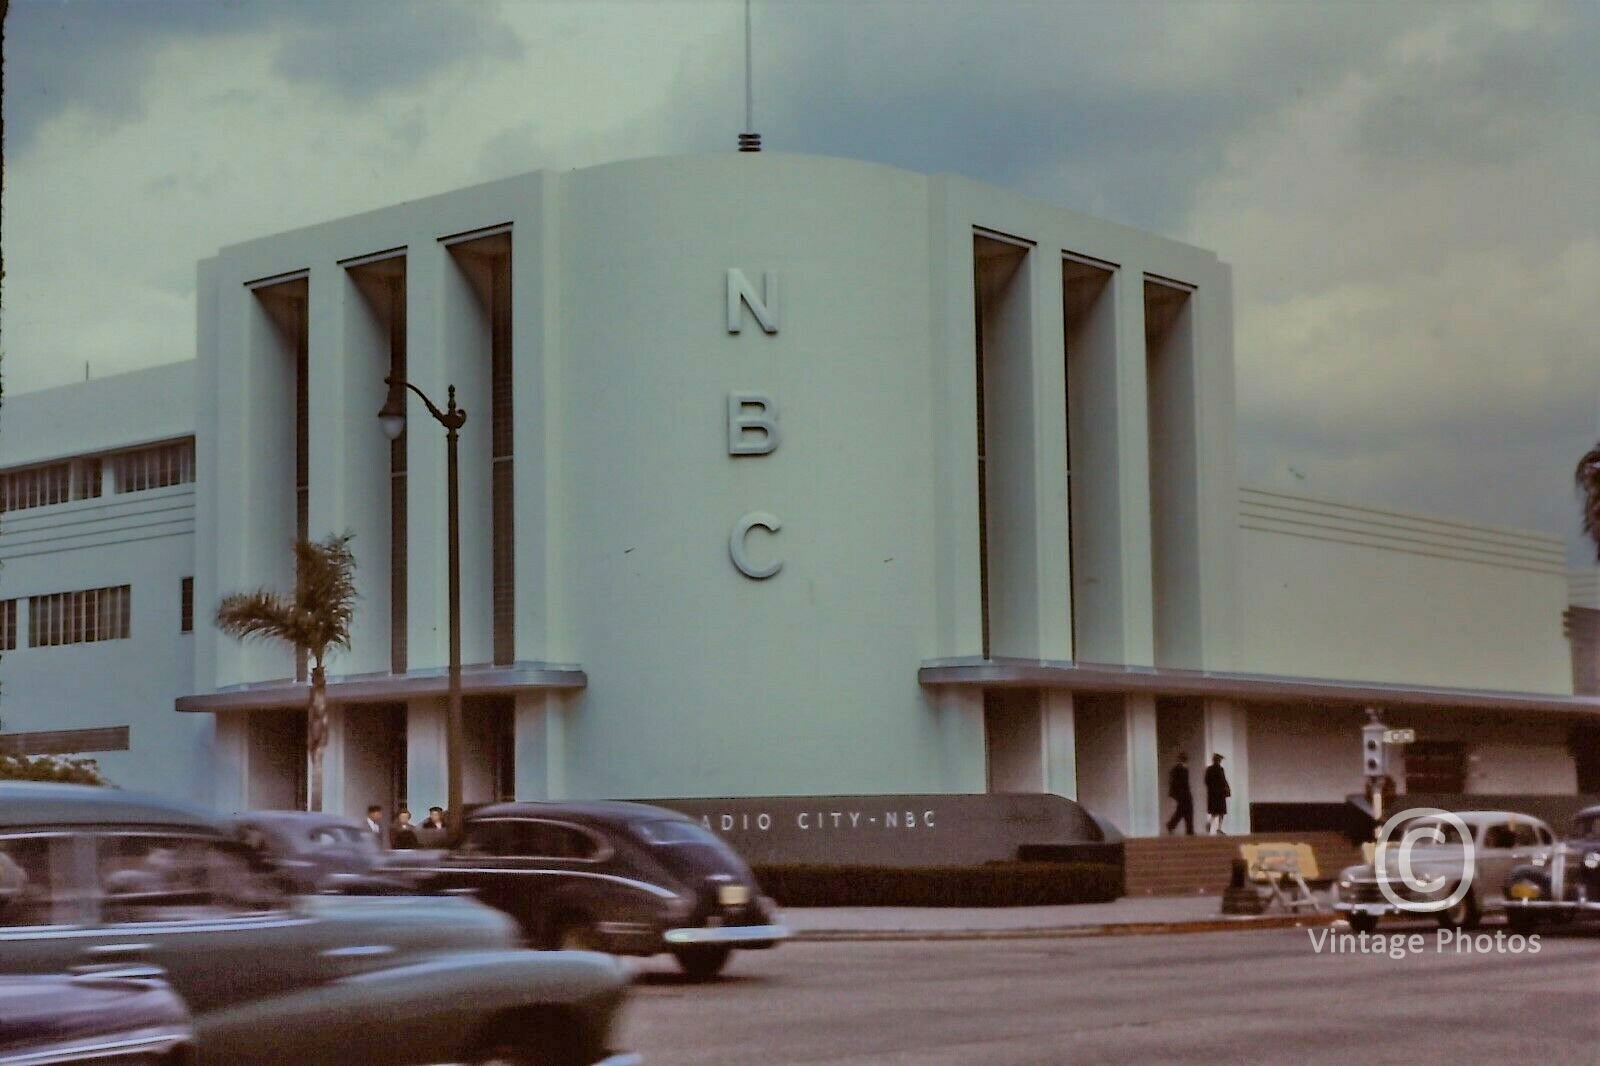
(403, 834)
(1217, 793)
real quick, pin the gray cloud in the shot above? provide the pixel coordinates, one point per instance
(96, 55)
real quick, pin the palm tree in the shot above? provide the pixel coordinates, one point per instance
(315, 621)
(1588, 478)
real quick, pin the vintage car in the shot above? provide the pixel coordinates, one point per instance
(313, 852)
(93, 877)
(626, 878)
(1500, 840)
(1560, 884)
(111, 1018)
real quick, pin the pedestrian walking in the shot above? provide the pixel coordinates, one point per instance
(433, 832)
(404, 835)
(1217, 793)
(375, 825)
(1178, 789)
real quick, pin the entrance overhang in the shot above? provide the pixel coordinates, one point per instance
(1110, 678)
(478, 680)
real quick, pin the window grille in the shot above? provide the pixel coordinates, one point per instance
(154, 468)
(8, 625)
(186, 606)
(81, 617)
(40, 486)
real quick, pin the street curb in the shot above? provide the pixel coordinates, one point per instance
(1065, 932)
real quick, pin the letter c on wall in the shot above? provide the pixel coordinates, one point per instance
(736, 545)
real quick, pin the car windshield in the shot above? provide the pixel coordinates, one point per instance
(674, 831)
(1429, 833)
(1586, 826)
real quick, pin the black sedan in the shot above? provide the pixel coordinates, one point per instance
(1561, 884)
(625, 878)
(313, 852)
(109, 1019)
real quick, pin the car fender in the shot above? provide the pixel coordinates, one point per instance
(425, 1010)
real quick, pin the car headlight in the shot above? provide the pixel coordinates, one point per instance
(1540, 859)
(1591, 860)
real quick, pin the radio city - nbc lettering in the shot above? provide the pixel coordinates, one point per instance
(807, 820)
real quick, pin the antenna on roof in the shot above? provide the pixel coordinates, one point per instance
(749, 140)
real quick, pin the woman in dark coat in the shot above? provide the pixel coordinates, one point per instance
(1217, 793)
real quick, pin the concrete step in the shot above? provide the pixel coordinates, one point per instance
(1185, 865)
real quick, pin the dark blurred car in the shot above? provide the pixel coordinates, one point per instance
(610, 876)
(96, 876)
(318, 852)
(1561, 884)
(106, 1019)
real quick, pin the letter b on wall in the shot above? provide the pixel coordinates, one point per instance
(752, 424)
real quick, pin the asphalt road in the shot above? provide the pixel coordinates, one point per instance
(1261, 997)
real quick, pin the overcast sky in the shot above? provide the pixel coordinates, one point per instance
(1409, 193)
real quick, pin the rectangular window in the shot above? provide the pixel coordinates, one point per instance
(82, 617)
(36, 881)
(8, 625)
(154, 467)
(65, 741)
(186, 606)
(40, 486)
(504, 532)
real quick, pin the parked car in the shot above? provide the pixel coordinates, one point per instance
(108, 1019)
(96, 876)
(626, 878)
(314, 852)
(1561, 883)
(1500, 840)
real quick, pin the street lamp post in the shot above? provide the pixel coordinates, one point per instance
(452, 418)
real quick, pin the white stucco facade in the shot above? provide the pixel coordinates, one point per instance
(787, 475)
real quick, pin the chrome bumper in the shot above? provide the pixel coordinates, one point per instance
(1379, 909)
(1554, 904)
(727, 934)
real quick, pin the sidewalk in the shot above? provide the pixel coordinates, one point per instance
(1124, 917)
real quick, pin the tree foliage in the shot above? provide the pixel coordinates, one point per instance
(1588, 478)
(50, 768)
(315, 620)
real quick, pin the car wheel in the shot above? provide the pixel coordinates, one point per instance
(1464, 915)
(1362, 923)
(702, 962)
(518, 1053)
(1521, 921)
(575, 933)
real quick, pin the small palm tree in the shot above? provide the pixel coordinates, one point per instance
(315, 621)
(1588, 479)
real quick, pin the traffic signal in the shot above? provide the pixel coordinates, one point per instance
(1374, 753)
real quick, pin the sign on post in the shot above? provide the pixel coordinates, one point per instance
(1399, 736)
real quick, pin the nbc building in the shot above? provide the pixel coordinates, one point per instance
(781, 475)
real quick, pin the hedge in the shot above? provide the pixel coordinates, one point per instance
(1001, 884)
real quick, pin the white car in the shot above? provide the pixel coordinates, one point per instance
(1500, 841)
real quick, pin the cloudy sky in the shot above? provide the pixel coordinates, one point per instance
(1409, 192)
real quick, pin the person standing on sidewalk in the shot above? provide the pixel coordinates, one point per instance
(1217, 793)
(1178, 789)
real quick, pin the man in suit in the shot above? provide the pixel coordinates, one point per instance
(375, 825)
(433, 833)
(1178, 789)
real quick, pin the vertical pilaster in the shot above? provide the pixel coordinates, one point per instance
(230, 789)
(1059, 742)
(1227, 728)
(426, 784)
(1052, 530)
(1133, 471)
(1144, 770)
(427, 529)
(541, 766)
